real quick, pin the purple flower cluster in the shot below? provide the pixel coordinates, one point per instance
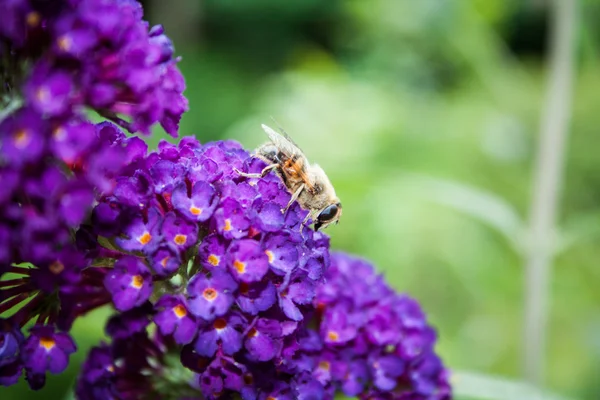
(371, 342)
(56, 58)
(209, 257)
(96, 53)
(220, 291)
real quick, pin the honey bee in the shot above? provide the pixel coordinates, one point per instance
(307, 183)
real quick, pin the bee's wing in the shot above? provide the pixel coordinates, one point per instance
(295, 160)
(283, 142)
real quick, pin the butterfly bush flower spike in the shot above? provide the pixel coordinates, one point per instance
(218, 286)
(59, 61)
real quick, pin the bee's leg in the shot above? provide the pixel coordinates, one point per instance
(294, 198)
(257, 175)
(308, 216)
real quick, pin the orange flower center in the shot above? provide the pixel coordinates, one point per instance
(270, 254)
(42, 94)
(33, 19)
(145, 238)
(333, 336)
(195, 210)
(220, 323)
(214, 260)
(209, 294)
(253, 332)
(47, 343)
(227, 225)
(59, 133)
(64, 43)
(180, 239)
(56, 267)
(180, 311)
(324, 365)
(164, 261)
(239, 266)
(22, 138)
(137, 281)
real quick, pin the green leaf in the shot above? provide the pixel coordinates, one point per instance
(483, 206)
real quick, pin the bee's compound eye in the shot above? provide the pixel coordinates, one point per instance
(328, 213)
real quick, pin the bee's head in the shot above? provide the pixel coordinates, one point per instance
(330, 214)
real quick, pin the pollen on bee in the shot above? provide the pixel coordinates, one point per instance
(137, 281)
(180, 311)
(227, 225)
(56, 267)
(180, 239)
(214, 260)
(47, 342)
(145, 238)
(209, 294)
(239, 266)
(195, 210)
(270, 254)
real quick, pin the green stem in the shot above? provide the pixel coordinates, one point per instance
(11, 107)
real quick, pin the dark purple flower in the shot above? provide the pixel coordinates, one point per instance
(173, 318)
(179, 232)
(128, 323)
(298, 292)
(10, 340)
(264, 339)
(211, 297)
(211, 252)
(223, 332)
(71, 140)
(166, 175)
(247, 260)
(256, 297)
(47, 350)
(23, 137)
(49, 91)
(282, 252)
(129, 283)
(96, 375)
(200, 205)
(142, 235)
(231, 220)
(270, 217)
(386, 370)
(166, 259)
(10, 373)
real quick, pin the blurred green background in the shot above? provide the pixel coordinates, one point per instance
(425, 115)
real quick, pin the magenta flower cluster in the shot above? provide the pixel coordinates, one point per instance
(217, 291)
